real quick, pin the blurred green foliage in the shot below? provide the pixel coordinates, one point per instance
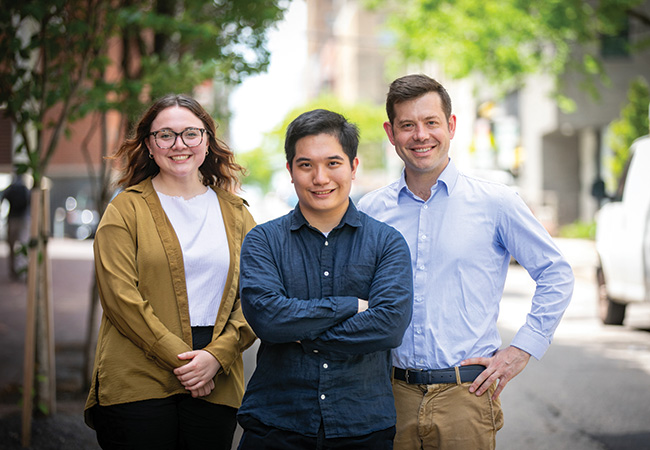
(61, 60)
(504, 41)
(632, 123)
(579, 230)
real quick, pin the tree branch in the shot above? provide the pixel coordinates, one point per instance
(640, 16)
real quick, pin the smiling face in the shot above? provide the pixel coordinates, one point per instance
(322, 176)
(421, 136)
(179, 161)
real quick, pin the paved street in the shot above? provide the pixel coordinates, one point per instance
(71, 284)
(590, 391)
(71, 277)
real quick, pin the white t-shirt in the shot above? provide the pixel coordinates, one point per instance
(201, 232)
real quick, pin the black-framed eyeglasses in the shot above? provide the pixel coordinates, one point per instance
(166, 138)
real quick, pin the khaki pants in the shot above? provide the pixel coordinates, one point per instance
(445, 417)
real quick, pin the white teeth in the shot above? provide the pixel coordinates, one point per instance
(180, 158)
(422, 150)
(322, 192)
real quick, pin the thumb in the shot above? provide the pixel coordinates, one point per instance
(186, 355)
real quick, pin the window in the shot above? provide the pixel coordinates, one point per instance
(616, 45)
(6, 139)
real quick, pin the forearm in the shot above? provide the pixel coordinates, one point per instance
(531, 245)
(278, 319)
(389, 310)
(274, 314)
(377, 329)
(122, 302)
(236, 337)
(140, 325)
(551, 299)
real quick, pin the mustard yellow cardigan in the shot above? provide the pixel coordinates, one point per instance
(146, 322)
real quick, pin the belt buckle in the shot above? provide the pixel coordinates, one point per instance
(406, 374)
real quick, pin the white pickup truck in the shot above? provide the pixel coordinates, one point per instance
(623, 239)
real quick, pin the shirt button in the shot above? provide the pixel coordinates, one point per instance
(424, 236)
(322, 397)
(426, 207)
(421, 267)
(326, 273)
(315, 351)
(325, 366)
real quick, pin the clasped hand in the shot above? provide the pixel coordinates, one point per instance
(197, 376)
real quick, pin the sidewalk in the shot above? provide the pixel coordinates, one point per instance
(72, 269)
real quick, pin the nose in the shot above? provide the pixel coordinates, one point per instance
(320, 176)
(420, 133)
(177, 138)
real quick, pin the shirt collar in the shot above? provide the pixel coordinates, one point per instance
(449, 176)
(351, 218)
(447, 179)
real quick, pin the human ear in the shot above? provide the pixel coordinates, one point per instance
(388, 128)
(289, 169)
(355, 165)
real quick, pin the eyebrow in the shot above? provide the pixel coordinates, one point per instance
(427, 118)
(331, 158)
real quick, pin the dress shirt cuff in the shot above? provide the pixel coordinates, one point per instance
(346, 307)
(166, 350)
(531, 342)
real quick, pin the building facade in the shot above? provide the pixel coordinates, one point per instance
(524, 139)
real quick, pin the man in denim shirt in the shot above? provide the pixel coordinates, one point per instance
(328, 290)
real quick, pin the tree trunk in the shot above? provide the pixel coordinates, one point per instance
(39, 341)
(45, 366)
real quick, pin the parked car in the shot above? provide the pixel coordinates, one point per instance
(623, 239)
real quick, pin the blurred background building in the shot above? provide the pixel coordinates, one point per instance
(523, 138)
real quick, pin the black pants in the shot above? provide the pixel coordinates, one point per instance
(180, 422)
(258, 436)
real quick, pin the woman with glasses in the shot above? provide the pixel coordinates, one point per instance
(168, 370)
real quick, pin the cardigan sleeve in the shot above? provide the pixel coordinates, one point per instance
(117, 279)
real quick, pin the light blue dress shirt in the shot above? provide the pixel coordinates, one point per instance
(461, 240)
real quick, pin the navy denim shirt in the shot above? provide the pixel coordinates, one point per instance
(320, 361)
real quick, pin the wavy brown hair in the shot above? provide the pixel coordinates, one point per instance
(219, 168)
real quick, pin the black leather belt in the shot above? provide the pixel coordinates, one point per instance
(438, 376)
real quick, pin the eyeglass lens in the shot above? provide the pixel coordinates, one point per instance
(190, 137)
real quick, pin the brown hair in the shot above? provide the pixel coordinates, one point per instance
(411, 87)
(218, 169)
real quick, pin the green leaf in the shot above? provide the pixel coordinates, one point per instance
(631, 124)
(506, 40)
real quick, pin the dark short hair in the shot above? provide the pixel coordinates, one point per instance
(322, 121)
(410, 87)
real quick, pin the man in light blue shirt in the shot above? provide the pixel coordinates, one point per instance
(461, 232)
